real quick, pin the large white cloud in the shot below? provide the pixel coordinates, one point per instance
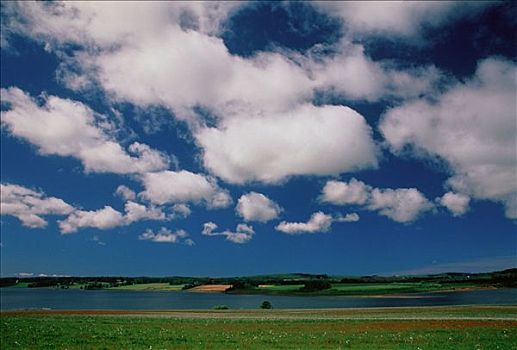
(402, 204)
(318, 222)
(28, 205)
(255, 206)
(105, 218)
(471, 126)
(243, 233)
(261, 104)
(183, 187)
(68, 128)
(310, 140)
(101, 25)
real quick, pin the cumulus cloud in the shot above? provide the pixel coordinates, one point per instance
(255, 206)
(164, 235)
(261, 118)
(28, 205)
(137, 212)
(402, 204)
(472, 127)
(125, 193)
(351, 217)
(270, 148)
(456, 203)
(68, 128)
(91, 23)
(108, 218)
(183, 187)
(242, 234)
(181, 210)
(319, 222)
(341, 193)
(349, 72)
(401, 18)
(209, 228)
(105, 218)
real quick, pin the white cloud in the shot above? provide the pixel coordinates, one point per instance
(255, 206)
(402, 204)
(341, 193)
(182, 187)
(137, 212)
(105, 218)
(163, 55)
(108, 218)
(68, 128)
(26, 274)
(319, 222)
(242, 234)
(310, 140)
(102, 24)
(262, 116)
(181, 209)
(209, 227)
(125, 193)
(456, 203)
(401, 18)
(165, 235)
(472, 127)
(351, 217)
(28, 205)
(351, 73)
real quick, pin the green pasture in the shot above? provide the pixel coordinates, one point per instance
(264, 330)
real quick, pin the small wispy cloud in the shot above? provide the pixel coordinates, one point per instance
(164, 235)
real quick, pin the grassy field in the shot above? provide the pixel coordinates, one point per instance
(398, 328)
(358, 289)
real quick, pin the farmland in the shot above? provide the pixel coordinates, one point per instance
(298, 284)
(150, 287)
(358, 288)
(399, 328)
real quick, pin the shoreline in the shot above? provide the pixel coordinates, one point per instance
(202, 290)
(462, 313)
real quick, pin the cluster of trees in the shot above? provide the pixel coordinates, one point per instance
(506, 278)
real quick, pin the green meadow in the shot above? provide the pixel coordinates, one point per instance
(357, 288)
(150, 287)
(404, 328)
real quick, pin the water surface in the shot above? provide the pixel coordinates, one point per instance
(77, 299)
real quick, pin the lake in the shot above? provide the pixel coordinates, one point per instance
(77, 299)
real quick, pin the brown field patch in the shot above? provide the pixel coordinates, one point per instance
(265, 285)
(413, 325)
(211, 288)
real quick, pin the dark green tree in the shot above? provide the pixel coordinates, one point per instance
(266, 305)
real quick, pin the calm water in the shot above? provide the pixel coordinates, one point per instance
(14, 298)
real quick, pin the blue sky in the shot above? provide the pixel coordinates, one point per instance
(240, 138)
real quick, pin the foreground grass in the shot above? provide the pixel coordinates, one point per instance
(437, 328)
